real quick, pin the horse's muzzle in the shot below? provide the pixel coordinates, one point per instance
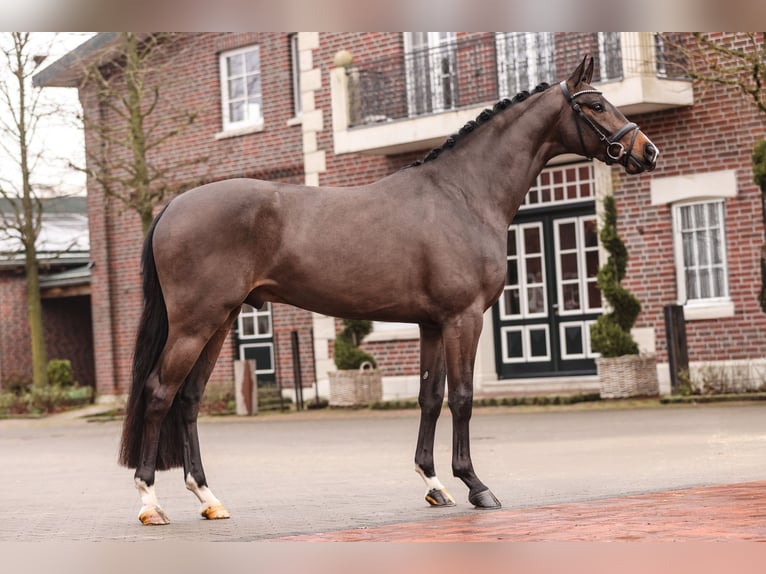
(647, 161)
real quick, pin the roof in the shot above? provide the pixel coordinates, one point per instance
(68, 71)
(63, 237)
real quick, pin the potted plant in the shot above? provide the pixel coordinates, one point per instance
(622, 371)
(357, 381)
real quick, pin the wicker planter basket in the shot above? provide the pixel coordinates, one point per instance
(354, 388)
(628, 376)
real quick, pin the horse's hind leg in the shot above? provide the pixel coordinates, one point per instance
(431, 398)
(178, 357)
(190, 396)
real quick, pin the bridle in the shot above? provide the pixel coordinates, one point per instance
(615, 151)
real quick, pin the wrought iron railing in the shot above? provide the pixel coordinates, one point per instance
(472, 69)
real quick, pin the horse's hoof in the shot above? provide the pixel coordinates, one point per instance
(436, 497)
(215, 512)
(484, 499)
(153, 516)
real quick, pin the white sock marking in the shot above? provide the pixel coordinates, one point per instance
(432, 482)
(203, 493)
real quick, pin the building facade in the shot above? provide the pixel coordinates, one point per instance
(63, 258)
(341, 109)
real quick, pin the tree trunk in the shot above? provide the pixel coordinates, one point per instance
(36, 333)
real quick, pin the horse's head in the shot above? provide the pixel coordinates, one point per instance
(598, 129)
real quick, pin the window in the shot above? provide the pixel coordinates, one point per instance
(610, 55)
(700, 242)
(295, 65)
(524, 59)
(698, 203)
(255, 339)
(241, 95)
(254, 323)
(431, 67)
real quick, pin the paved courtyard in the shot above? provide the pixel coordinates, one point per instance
(585, 473)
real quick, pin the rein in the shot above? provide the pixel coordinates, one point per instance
(615, 151)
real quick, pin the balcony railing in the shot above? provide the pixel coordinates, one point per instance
(481, 68)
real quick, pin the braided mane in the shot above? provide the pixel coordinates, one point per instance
(486, 115)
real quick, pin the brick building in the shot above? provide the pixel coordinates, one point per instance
(65, 292)
(348, 108)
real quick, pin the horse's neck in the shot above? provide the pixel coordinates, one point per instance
(508, 154)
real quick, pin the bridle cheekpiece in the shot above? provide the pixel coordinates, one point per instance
(615, 151)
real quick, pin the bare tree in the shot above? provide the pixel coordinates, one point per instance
(130, 88)
(21, 109)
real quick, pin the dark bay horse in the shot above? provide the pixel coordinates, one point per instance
(425, 245)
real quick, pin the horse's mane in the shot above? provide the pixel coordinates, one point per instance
(486, 115)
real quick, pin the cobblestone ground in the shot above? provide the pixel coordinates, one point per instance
(586, 473)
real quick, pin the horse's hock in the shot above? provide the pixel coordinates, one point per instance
(356, 387)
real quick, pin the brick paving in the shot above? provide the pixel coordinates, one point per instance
(735, 512)
(592, 473)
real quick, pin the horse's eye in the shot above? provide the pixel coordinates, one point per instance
(597, 107)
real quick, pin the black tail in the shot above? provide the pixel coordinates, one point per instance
(150, 340)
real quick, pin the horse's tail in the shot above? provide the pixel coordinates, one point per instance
(150, 340)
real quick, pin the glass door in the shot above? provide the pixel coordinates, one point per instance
(550, 298)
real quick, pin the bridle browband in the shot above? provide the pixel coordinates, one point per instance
(615, 151)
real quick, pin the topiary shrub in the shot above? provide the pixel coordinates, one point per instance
(610, 334)
(59, 372)
(347, 354)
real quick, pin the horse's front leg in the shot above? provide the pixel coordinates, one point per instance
(461, 337)
(431, 398)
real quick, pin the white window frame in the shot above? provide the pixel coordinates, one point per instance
(248, 123)
(539, 68)
(526, 343)
(269, 346)
(437, 45)
(582, 269)
(521, 257)
(709, 307)
(604, 41)
(534, 197)
(255, 314)
(690, 188)
(585, 330)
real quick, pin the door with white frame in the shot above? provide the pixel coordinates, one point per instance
(550, 299)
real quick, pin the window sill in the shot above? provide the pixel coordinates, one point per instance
(236, 132)
(403, 334)
(713, 310)
(296, 121)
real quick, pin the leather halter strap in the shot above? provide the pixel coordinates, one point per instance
(615, 151)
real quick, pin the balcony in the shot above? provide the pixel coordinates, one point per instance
(413, 100)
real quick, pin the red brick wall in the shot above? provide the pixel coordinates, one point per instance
(67, 330)
(15, 351)
(717, 133)
(189, 79)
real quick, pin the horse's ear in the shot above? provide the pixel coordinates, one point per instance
(583, 73)
(588, 70)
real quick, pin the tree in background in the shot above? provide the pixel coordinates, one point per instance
(21, 109)
(130, 87)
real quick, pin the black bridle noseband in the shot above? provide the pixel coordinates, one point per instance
(615, 151)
